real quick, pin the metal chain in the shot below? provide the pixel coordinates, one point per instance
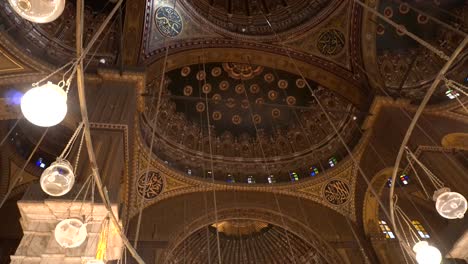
(66, 151)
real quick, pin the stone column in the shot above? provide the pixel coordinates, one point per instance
(38, 220)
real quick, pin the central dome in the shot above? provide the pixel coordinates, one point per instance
(252, 17)
(263, 121)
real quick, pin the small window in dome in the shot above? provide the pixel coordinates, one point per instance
(250, 180)
(231, 178)
(420, 229)
(314, 171)
(404, 179)
(386, 230)
(294, 176)
(332, 162)
(189, 172)
(40, 163)
(271, 179)
(451, 94)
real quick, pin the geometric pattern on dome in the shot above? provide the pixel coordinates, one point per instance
(272, 245)
(406, 68)
(248, 17)
(55, 41)
(251, 120)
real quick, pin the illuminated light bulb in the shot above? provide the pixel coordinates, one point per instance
(58, 178)
(426, 254)
(450, 205)
(45, 105)
(38, 11)
(70, 233)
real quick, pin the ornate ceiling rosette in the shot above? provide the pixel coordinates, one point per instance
(54, 42)
(257, 127)
(260, 19)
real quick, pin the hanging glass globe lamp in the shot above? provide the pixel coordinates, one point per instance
(450, 205)
(38, 11)
(70, 233)
(426, 254)
(45, 105)
(58, 178)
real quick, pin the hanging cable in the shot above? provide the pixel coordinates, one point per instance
(19, 175)
(11, 130)
(266, 167)
(211, 159)
(84, 114)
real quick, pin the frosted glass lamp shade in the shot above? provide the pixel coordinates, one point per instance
(426, 254)
(450, 205)
(45, 105)
(58, 178)
(70, 233)
(38, 11)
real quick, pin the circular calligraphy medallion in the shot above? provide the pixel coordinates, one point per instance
(150, 186)
(331, 42)
(168, 21)
(336, 192)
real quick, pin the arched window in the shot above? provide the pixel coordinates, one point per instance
(271, 179)
(420, 228)
(332, 162)
(250, 180)
(314, 171)
(386, 230)
(294, 176)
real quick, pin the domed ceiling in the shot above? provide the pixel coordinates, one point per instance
(55, 42)
(406, 67)
(263, 122)
(258, 17)
(272, 244)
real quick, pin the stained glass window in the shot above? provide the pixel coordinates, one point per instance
(451, 94)
(271, 179)
(40, 163)
(250, 179)
(386, 230)
(420, 229)
(314, 171)
(332, 162)
(404, 179)
(231, 179)
(294, 176)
